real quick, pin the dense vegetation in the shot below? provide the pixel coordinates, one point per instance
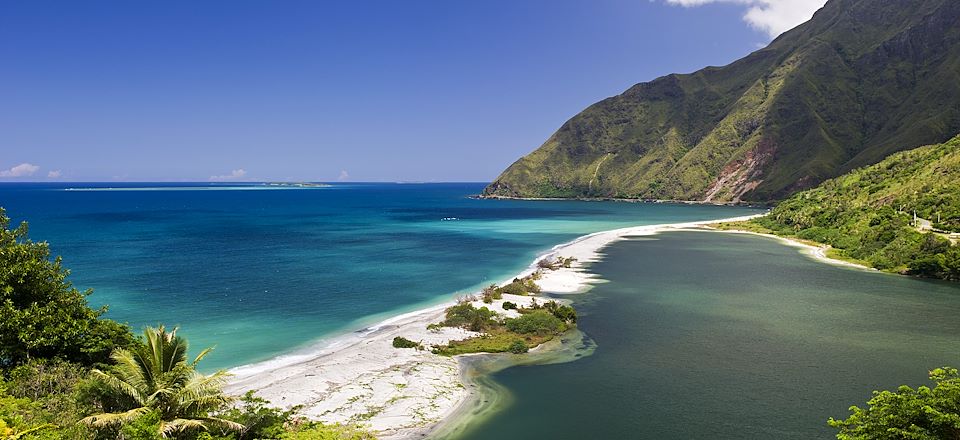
(401, 342)
(43, 315)
(907, 413)
(536, 324)
(867, 215)
(68, 373)
(862, 79)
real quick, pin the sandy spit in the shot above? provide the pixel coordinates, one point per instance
(405, 393)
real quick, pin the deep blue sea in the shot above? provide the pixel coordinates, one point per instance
(258, 271)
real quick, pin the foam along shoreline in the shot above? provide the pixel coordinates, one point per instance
(405, 393)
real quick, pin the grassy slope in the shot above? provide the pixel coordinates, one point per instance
(861, 80)
(866, 214)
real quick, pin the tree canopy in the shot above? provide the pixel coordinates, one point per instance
(42, 315)
(923, 413)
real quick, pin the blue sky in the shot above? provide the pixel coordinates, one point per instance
(356, 90)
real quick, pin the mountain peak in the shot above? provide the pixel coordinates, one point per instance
(859, 81)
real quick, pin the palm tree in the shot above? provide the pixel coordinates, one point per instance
(156, 376)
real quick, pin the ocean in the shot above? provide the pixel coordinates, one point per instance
(260, 272)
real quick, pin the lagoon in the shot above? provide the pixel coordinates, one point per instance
(727, 336)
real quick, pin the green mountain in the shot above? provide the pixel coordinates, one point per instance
(867, 215)
(861, 80)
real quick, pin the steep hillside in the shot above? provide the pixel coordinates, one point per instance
(868, 214)
(859, 81)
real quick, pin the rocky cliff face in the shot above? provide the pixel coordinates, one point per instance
(859, 81)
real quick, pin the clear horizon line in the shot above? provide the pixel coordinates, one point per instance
(332, 182)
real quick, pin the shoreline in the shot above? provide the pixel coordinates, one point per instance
(406, 393)
(816, 251)
(620, 199)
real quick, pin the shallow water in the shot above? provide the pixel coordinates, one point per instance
(261, 273)
(709, 335)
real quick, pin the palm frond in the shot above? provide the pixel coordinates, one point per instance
(203, 354)
(128, 369)
(225, 424)
(176, 426)
(113, 419)
(121, 387)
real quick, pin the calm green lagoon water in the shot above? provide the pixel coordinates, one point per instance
(704, 335)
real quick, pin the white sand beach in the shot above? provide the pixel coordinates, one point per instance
(404, 393)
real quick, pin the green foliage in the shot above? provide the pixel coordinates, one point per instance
(467, 316)
(144, 427)
(491, 293)
(495, 341)
(21, 417)
(944, 265)
(539, 322)
(565, 313)
(41, 314)
(261, 420)
(521, 286)
(319, 431)
(62, 392)
(258, 418)
(907, 413)
(519, 347)
(156, 377)
(401, 342)
(856, 83)
(867, 214)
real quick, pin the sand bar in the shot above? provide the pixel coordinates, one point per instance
(405, 393)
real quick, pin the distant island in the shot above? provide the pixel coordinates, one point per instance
(298, 184)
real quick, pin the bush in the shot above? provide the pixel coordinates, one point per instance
(320, 431)
(519, 347)
(467, 316)
(538, 322)
(546, 264)
(492, 292)
(507, 305)
(564, 262)
(260, 420)
(563, 312)
(520, 286)
(401, 342)
(496, 341)
(59, 387)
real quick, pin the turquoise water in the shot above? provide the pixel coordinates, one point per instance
(260, 272)
(704, 335)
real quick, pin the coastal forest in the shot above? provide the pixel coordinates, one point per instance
(901, 215)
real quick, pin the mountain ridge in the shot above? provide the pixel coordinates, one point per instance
(862, 79)
(901, 214)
